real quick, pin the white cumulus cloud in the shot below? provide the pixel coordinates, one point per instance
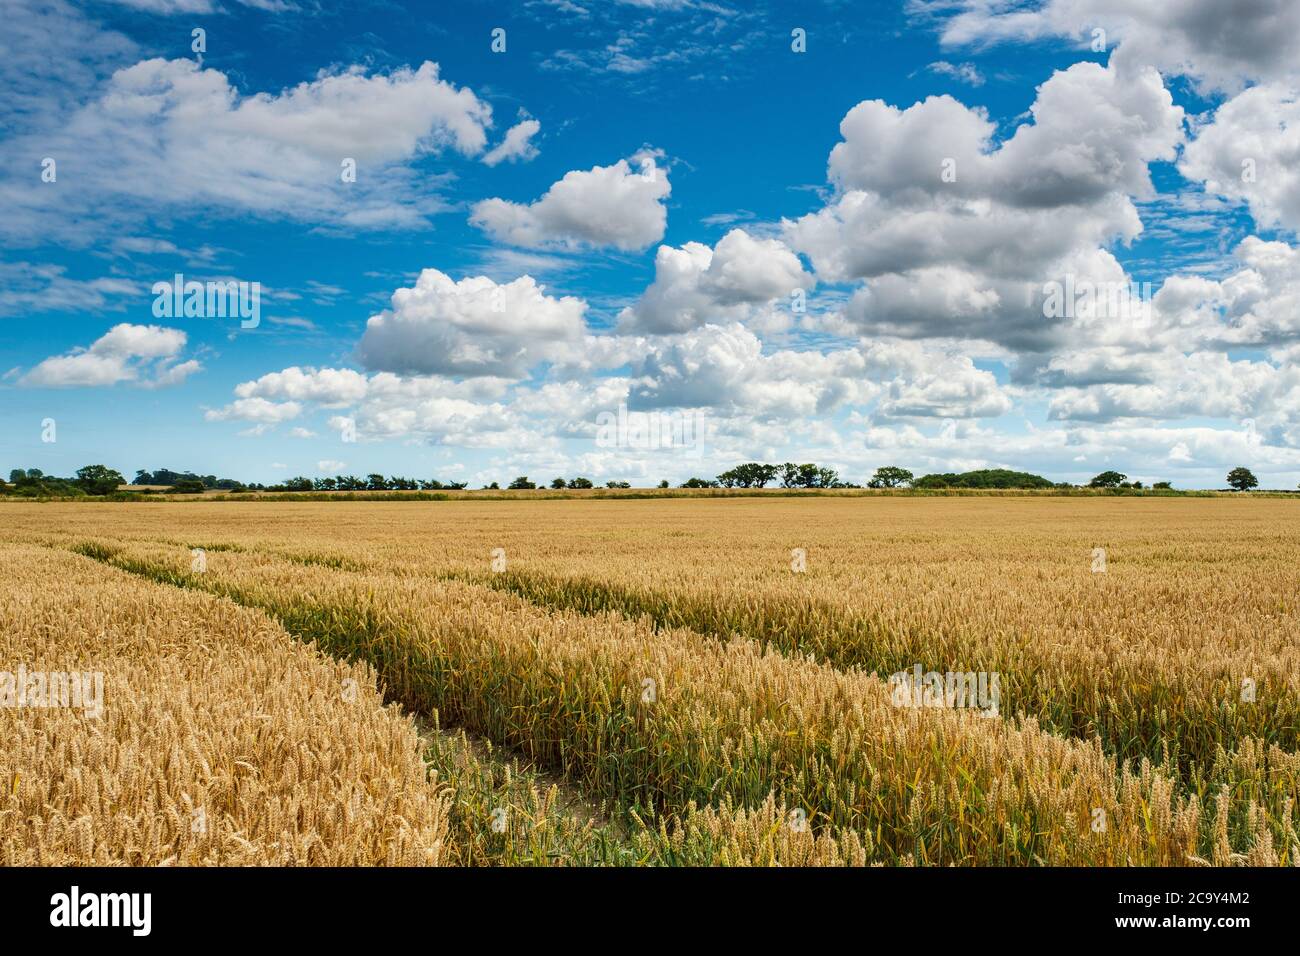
(736, 280)
(517, 146)
(474, 327)
(619, 205)
(143, 354)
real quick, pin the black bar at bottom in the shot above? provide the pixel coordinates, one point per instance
(333, 906)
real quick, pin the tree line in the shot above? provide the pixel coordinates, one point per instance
(101, 480)
(90, 480)
(371, 482)
(186, 481)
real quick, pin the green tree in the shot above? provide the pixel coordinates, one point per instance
(752, 474)
(1108, 479)
(1241, 479)
(580, 483)
(521, 484)
(890, 476)
(98, 480)
(557, 483)
(806, 475)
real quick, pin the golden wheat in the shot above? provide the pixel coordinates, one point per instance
(220, 740)
(731, 723)
(769, 703)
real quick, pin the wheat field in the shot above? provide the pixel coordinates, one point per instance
(656, 682)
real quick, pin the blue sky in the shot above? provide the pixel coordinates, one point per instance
(617, 211)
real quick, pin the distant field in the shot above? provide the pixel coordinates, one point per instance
(683, 680)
